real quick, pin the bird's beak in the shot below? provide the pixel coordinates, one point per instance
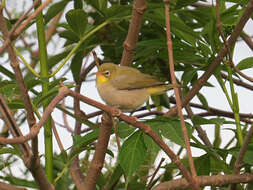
(98, 73)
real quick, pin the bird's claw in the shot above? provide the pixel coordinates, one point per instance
(115, 112)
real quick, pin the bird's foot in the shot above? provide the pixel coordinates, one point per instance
(115, 112)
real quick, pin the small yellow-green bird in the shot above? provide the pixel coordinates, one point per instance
(127, 88)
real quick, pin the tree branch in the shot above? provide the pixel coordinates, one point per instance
(139, 8)
(217, 180)
(6, 186)
(99, 156)
(247, 39)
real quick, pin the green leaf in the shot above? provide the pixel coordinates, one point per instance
(245, 63)
(197, 120)
(80, 149)
(184, 3)
(170, 128)
(165, 100)
(55, 9)
(86, 139)
(203, 100)
(8, 88)
(117, 173)
(6, 72)
(77, 20)
(78, 4)
(151, 145)
(218, 166)
(9, 151)
(20, 182)
(188, 75)
(16, 104)
(124, 129)
(202, 164)
(248, 157)
(132, 153)
(71, 36)
(99, 5)
(230, 16)
(76, 65)
(40, 98)
(52, 61)
(118, 12)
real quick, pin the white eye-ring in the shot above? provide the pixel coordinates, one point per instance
(107, 73)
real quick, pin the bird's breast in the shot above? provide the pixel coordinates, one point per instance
(125, 100)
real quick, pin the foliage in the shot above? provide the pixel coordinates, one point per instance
(104, 24)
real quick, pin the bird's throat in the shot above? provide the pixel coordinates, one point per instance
(101, 79)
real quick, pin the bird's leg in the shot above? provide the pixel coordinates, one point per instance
(115, 112)
(116, 132)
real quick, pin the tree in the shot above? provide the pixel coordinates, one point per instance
(160, 38)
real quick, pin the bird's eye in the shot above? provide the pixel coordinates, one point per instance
(107, 73)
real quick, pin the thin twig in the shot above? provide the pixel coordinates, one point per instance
(178, 100)
(57, 137)
(206, 114)
(154, 174)
(215, 111)
(238, 82)
(64, 116)
(201, 133)
(247, 39)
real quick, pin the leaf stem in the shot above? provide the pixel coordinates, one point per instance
(44, 76)
(235, 107)
(26, 63)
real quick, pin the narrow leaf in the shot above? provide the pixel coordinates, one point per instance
(197, 120)
(245, 63)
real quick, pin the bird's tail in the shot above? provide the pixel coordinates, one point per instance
(160, 89)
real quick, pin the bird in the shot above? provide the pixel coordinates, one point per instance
(126, 88)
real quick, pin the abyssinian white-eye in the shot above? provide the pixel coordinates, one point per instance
(127, 88)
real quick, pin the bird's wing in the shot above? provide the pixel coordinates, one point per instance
(136, 80)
